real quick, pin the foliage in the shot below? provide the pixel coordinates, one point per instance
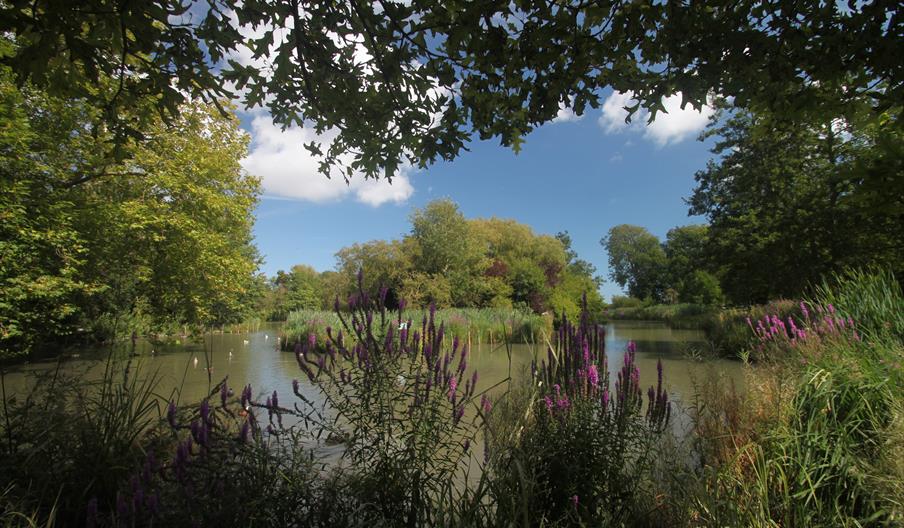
(94, 248)
(701, 287)
(814, 442)
(67, 441)
(583, 455)
(450, 261)
(788, 204)
(636, 261)
(412, 83)
(471, 325)
(873, 298)
(397, 398)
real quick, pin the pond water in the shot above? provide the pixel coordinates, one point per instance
(188, 372)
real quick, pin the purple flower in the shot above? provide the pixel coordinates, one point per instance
(205, 411)
(574, 501)
(549, 403)
(453, 386)
(593, 375)
(485, 404)
(632, 347)
(245, 432)
(171, 414)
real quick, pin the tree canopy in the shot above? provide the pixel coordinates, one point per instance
(789, 204)
(449, 260)
(163, 240)
(391, 83)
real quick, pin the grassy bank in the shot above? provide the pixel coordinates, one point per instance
(475, 326)
(726, 329)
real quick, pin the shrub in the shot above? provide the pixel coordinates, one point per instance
(584, 455)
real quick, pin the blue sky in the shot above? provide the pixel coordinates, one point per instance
(583, 175)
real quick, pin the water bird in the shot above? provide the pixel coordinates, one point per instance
(403, 326)
(195, 361)
(266, 337)
(245, 341)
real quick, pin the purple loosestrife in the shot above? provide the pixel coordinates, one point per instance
(246, 397)
(171, 414)
(245, 432)
(485, 404)
(224, 394)
(594, 376)
(204, 411)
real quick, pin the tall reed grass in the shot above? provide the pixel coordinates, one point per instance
(476, 326)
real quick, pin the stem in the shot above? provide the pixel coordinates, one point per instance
(9, 431)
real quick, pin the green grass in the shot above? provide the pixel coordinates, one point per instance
(473, 325)
(872, 298)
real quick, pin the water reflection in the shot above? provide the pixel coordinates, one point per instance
(190, 371)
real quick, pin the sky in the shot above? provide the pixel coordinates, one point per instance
(581, 174)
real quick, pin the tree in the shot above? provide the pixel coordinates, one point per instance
(412, 82)
(163, 238)
(636, 261)
(689, 265)
(384, 265)
(788, 204)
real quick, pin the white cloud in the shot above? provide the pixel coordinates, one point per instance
(288, 170)
(566, 115)
(673, 126)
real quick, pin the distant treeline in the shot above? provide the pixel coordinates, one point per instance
(449, 261)
(787, 205)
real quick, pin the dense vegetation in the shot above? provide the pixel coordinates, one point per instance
(814, 440)
(92, 247)
(124, 209)
(449, 261)
(787, 205)
(411, 83)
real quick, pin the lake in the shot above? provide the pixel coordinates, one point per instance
(188, 372)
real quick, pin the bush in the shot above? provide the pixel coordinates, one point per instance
(622, 301)
(582, 455)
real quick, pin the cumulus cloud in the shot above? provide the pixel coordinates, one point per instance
(673, 126)
(288, 170)
(565, 115)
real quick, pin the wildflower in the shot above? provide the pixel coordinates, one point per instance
(574, 501)
(224, 394)
(245, 432)
(453, 386)
(171, 414)
(549, 403)
(485, 404)
(632, 347)
(153, 503)
(594, 376)
(205, 411)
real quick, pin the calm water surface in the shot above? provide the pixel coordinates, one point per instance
(188, 372)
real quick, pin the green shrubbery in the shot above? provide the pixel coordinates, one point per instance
(815, 438)
(472, 325)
